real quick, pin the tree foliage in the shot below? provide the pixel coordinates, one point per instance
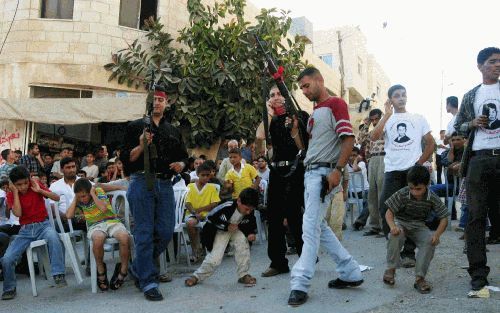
(215, 78)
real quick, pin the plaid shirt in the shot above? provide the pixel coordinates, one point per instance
(31, 163)
(372, 147)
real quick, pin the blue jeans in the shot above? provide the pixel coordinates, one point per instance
(154, 218)
(364, 213)
(464, 216)
(315, 230)
(27, 234)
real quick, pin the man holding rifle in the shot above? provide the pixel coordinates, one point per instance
(153, 154)
(330, 144)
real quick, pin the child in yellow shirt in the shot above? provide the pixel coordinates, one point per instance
(201, 198)
(241, 176)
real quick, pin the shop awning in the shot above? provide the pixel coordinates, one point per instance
(70, 111)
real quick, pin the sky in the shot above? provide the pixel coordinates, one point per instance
(430, 47)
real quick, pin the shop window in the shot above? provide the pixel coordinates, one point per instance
(57, 9)
(134, 12)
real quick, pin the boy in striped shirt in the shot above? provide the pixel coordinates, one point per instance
(102, 223)
(408, 209)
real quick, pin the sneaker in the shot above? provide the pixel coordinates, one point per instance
(153, 294)
(60, 280)
(342, 284)
(297, 298)
(165, 278)
(408, 262)
(9, 295)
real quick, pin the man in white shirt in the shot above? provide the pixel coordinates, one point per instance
(452, 108)
(401, 155)
(91, 169)
(263, 169)
(56, 167)
(441, 147)
(358, 181)
(225, 166)
(481, 164)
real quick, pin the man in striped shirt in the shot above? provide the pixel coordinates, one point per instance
(408, 208)
(330, 145)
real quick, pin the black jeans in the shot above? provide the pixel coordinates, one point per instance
(285, 200)
(393, 181)
(439, 168)
(483, 197)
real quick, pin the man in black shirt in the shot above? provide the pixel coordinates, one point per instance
(286, 187)
(153, 210)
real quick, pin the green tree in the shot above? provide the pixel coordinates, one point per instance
(215, 78)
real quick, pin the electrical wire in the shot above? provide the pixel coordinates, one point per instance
(10, 27)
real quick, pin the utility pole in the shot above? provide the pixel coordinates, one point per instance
(341, 68)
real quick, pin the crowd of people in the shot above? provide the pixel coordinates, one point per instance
(299, 172)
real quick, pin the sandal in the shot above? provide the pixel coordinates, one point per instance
(116, 282)
(422, 286)
(389, 275)
(103, 284)
(248, 280)
(191, 281)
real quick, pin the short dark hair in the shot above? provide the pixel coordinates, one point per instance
(455, 134)
(203, 168)
(308, 71)
(5, 154)
(484, 54)
(109, 164)
(235, 151)
(452, 101)
(32, 145)
(66, 161)
(82, 185)
(442, 131)
(250, 197)
(18, 152)
(401, 124)
(82, 172)
(211, 164)
(375, 112)
(355, 149)
(19, 172)
(393, 89)
(418, 174)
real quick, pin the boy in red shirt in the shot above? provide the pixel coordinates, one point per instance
(26, 200)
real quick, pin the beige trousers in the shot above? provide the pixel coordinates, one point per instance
(335, 214)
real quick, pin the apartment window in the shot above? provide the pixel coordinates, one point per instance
(57, 9)
(134, 12)
(360, 66)
(328, 59)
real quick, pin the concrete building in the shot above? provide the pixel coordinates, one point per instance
(57, 49)
(344, 50)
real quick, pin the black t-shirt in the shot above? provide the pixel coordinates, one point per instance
(284, 148)
(169, 145)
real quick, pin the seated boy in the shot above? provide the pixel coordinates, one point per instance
(26, 200)
(201, 198)
(102, 223)
(408, 210)
(231, 221)
(241, 176)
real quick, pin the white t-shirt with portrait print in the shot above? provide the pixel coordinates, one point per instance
(403, 134)
(488, 103)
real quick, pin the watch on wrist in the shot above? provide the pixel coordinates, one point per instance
(340, 169)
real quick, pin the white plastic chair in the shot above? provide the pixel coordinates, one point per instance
(352, 195)
(112, 241)
(180, 207)
(261, 227)
(68, 243)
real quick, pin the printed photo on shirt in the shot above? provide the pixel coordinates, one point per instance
(401, 129)
(490, 110)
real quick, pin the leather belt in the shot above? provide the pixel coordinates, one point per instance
(487, 152)
(284, 163)
(377, 154)
(316, 165)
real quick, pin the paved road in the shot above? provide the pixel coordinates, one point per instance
(221, 292)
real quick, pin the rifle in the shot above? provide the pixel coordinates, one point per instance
(150, 152)
(291, 105)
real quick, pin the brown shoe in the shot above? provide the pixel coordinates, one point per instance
(165, 278)
(247, 280)
(272, 272)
